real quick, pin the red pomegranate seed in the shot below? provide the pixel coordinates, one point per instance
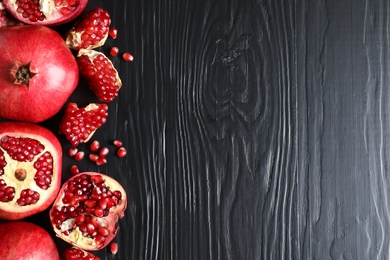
(113, 33)
(72, 151)
(79, 156)
(95, 145)
(28, 197)
(101, 161)
(114, 248)
(74, 169)
(121, 152)
(127, 56)
(78, 254)
(117, 143)
(114, 51)
(104, 152)
(93, 157)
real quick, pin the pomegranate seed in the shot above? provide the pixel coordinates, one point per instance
(103, 231)
(78, 254)
(114, 248)
(74, 169)
(104, 152)
(93, 157)
(127, 56)
(72, 151)
(117, 143)
(79, 156)
(101, 161)
(121, 152)
(114, 51)
(95, 145)
(113, 33)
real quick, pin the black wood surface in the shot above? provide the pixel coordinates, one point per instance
(255, 129)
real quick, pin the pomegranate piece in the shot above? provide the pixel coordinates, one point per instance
(87, 209)
(24, 240)
(47, 13)
(91, 31)
(99, 73)
(33, 86)
(75, 253)
(79, 124)
(30, 169)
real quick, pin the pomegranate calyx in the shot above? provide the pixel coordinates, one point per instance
(22, 73)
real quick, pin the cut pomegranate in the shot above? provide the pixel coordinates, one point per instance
(48, 13)
(39, 73)
(79, 124)
(24, 240)
(87, 209)
(30, 169)
(75, 253)
(99, 73)
(91, 31)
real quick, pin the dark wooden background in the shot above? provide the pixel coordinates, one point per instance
(255, 129)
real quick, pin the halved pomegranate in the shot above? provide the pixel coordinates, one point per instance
(38, 73)
(74, 253)
(30, 169)
(45, 12)
(87, 210)
(24, 240)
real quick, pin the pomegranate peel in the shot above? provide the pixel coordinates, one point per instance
(30, 169)
(87, 210)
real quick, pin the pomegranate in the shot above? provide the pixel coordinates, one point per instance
(100, 74)
(75, 253)
(24, 240)
(30, 169)
(87, 210)
(40, 12)
(79, 124)
(91, 31)
(38, 73)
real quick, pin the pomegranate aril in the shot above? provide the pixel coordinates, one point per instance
(21, 148)
(74, 169)
(104, 152)
(72, 151)
(114, 248)
(7, 193)
(93, 157)
(101, 161)
(117, 143)
(79, 156)
(27, 197)
(121, 152)
(113, 32)
(127, 56)
(94, 146)
(114, 51)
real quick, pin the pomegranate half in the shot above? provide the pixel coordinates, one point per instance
(30, 169)
(24, 240)
(87, 210)
(41, 12)
(38, 73)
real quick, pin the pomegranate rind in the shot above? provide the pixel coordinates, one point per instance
(50, 10)
(75, 238)
(25, 240)
(55, 67)
(10, 210)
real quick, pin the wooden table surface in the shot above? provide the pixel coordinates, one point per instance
(255, 129)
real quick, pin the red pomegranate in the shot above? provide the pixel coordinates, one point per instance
(48, 13)
(38, 73)
(30, 169)
(87, 210)
(24, 240)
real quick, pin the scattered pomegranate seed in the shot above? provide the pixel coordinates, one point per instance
(101, 161)
(95, 145)
(114, 51)
(72, 151)
(127, 56)
(121, 152)
(93, 157)
(74, 169)
(79, 156)
(113, 33)
(114, 248)
(104, 152)
(117, 143)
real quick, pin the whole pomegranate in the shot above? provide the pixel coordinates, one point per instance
(38, 73)
(87, 209)
(30, 169)
(23, 240)
(48, 13)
